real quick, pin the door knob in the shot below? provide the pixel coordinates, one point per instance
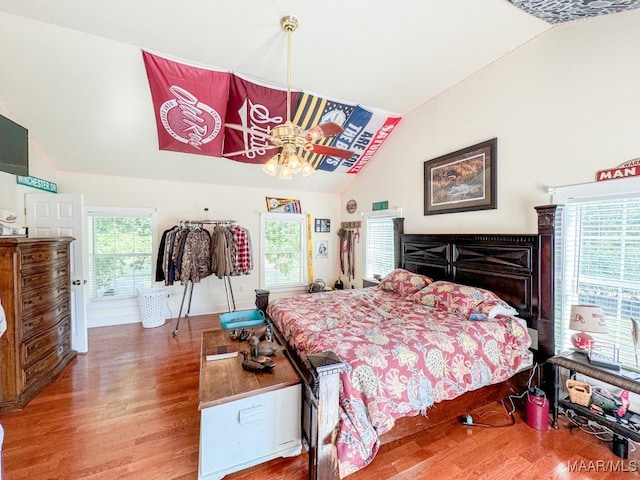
(77, 282)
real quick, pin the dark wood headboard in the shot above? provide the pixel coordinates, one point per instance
(505, 264)
(517, 268)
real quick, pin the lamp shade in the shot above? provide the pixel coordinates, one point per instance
(588, 318)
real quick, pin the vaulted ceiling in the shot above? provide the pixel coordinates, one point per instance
(72, 71)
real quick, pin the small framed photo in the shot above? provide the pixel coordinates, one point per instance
(323, 225)
(322, 249)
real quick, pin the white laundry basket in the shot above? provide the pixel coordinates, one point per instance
(153, 306)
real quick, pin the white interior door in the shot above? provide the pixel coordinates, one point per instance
(62, 215)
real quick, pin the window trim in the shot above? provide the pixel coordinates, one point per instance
(95, 211)
(300, 218)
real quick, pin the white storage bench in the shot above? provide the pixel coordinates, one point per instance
(246, 418)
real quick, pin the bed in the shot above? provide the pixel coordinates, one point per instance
(383, 362)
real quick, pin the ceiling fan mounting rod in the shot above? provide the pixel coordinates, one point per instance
(289, 24)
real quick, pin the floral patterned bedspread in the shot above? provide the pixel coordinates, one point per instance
(401, 357)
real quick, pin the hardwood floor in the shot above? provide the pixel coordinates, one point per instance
(128, 409)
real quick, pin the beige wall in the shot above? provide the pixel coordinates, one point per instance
(177, 201)
(12, 194)
(562, 106)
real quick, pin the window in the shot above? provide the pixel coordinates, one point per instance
(379, 246)
(120, 244)
(599, 264)
(283, 246)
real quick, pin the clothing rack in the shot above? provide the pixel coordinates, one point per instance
(201, 223)
(188, 288)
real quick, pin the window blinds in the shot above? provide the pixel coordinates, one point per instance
(599, 264)
(380, 258)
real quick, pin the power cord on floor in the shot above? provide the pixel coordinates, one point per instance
(468, 420)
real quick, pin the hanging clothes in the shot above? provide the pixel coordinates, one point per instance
(196, 256)
(160, 259)
(348, 239)
(221, 253)
(191, 252)
(231, 251)
(243, 258)
(185, 256)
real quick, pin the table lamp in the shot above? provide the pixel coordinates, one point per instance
(586, 318)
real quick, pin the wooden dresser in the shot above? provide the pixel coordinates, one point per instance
(35, 288)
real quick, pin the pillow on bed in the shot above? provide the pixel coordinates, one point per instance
(404, 282)
(463, 299)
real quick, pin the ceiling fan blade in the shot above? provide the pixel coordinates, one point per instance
(250, 131)
(243, 152)
(332, 151)
(320, 131)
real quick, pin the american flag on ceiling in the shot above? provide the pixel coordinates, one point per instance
(192, 104)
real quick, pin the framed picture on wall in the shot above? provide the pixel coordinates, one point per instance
(322, 249)
(462, 181)
(322, 225)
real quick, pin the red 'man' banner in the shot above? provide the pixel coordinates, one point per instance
(189, 104)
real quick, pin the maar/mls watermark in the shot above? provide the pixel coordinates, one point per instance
(603, 466)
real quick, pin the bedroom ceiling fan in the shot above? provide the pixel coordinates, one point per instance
(288, 137)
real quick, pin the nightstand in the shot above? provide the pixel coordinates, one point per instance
(577, 362)
(369, 283)
(246, 418)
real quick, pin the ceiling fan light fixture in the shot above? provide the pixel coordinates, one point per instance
(292, 160)
(285, 172)
(290, 138)
(307, 169)
(271, 167)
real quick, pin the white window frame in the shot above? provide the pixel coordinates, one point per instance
(389, 213)
(151, 213)
(300, 219)
(605, 190)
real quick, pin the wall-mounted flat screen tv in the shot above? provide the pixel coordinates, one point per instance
(14, 148)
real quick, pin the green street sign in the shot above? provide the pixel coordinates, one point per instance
(35, 182)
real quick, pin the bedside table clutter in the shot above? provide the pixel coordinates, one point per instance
(594, 402)
(246, 418)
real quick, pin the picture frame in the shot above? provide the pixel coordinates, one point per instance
(462, 181)
(322, 249)
(322, 225)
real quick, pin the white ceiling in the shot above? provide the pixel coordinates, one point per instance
(82, 92)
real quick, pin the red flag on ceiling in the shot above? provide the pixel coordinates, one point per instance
(255, 107)
(189, 104)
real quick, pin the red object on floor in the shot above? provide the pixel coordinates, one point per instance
(537, 409)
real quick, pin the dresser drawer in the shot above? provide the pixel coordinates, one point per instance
(35, 278)
(45, 297)
(39, 346)
(43, 254)
(32, 324)
(48, 363)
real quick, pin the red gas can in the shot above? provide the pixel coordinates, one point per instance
(537, 409)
